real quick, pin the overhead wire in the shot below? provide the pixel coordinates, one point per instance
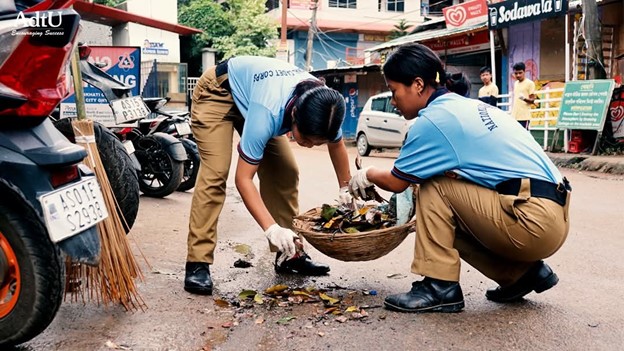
(387, 18)
(318, 32)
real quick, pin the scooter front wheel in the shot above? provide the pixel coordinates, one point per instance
(31, 276)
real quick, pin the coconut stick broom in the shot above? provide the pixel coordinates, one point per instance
(113, 280)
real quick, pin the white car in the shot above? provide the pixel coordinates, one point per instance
(380, 125)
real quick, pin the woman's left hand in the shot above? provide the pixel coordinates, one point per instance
(344, 197)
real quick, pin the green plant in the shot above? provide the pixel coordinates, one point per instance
(235, 27)
(400, 29)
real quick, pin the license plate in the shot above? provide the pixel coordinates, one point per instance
(129, 147)
(183, 128)
(73, 209)
(129, 109)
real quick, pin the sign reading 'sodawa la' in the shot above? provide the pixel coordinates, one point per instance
(507, 13)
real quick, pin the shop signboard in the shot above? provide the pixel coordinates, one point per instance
(121, 62)
(476, 42)
(507, 13)
(465, 14)
(584, 104)
(302, 4)
(154, 48)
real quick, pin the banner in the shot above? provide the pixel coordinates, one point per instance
(123, 63)
(616, 112)
(507, 13)
(350, 93)
(465, 14)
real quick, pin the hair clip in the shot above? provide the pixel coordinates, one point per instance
(437, 77)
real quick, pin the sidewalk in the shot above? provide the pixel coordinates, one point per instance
(585, 162)
(582, 162)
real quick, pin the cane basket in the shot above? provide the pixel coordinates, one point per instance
(363, 246)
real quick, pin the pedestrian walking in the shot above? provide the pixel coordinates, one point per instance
(524, 92)
(262, 99)
(488, 193)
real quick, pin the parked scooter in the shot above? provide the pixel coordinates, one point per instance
(120, 165)
(160, 155)
(118, 159)
(177, 124)
(49, 201)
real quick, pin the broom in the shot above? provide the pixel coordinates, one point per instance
(113, 280)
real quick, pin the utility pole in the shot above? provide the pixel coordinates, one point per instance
(282, 50)
(311, 32)
(284, 23)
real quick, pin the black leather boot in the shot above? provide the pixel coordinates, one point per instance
(301, 264)
(428, 295)
(197, 280)
(539, 278)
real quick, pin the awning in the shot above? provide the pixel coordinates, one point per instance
(370, 67)
(111, 16)
(427, 35)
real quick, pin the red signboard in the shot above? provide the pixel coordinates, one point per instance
(465, 14)
(465, 43)
(302, 4)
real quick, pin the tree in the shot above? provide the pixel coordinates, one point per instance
(592, 29)
(400, 29)
(593, 39)
(111, 3)
(238, 27)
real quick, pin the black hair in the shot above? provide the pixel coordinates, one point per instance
(414, 60)
(485, 69)
(319, 110)
(519, 66)
(458, 83)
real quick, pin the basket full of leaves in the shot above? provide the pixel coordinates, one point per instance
(361, 234)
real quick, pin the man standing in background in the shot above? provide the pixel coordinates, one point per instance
(489, 90)
(524, 93)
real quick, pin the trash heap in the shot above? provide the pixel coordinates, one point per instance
(371, 215)
(342, 218)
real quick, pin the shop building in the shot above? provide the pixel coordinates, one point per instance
(344, 28)
(150, 25)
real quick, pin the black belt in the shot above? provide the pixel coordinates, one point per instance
(221, 69)
(539, 188)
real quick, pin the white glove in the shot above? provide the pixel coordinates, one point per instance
(344, 197)
(283, 239)
(359, 183)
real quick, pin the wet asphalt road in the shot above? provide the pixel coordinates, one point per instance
(583, 312)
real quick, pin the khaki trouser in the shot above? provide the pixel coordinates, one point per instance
(499, 235)
(214, 117)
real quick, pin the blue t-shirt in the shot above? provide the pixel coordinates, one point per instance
(261, 88)
(475, 141)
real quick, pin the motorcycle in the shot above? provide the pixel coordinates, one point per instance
(118, 160)
(119, 163)
(160, 155)
(176, 124)
(50, 202)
